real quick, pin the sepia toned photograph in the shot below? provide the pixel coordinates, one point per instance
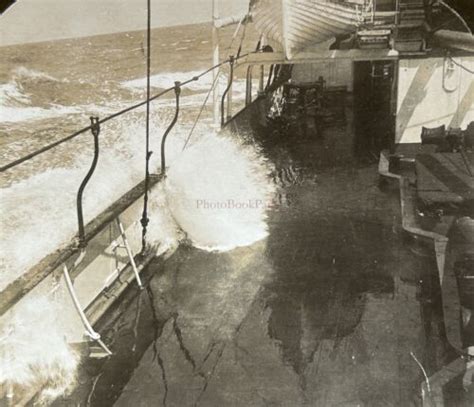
(237, 203)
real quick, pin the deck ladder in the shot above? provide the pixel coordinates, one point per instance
(125, 245)
(85, 321)
(95, 336)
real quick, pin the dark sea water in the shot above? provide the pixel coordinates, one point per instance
(49, 89)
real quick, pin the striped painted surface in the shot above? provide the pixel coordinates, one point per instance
(443, 178)
(433, 92)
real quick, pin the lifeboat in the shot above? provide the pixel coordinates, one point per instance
(297, 24)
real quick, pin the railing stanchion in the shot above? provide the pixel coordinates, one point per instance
(229, 85)
(95, 129)
(177, 91)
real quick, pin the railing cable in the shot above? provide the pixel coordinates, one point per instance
(460, 65)
(214, 84)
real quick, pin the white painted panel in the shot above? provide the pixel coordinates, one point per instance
(433, 92)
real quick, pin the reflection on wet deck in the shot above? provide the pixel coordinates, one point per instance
(324, 312)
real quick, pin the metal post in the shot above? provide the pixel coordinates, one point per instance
(248, 88)
(95, 129)
(229, 95)
(144, 220)
(261, 83)
(177, 91)
(226, 92)
(397, 14)
(215, 61)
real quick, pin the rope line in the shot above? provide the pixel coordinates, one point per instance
(460, 65)
(144, 220)
(112, 116)
(244, 32)
(234, 36)
(216, 79)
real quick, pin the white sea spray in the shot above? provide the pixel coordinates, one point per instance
(34, 352)
(39, 212)
(218, 192)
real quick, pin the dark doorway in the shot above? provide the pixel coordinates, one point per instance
(374, 96)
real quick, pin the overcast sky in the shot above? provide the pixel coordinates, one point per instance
(40, 20)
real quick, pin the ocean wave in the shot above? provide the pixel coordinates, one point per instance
(10, 114)
(14, 114)
(12, 94)
(22, 72)
(19, 97)
(203, 85)
(14, 90)
(166, 80)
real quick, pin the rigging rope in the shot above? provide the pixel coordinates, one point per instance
(249, 13)
(244, 31)
(144, 220)
(234, 36)
(214, 84)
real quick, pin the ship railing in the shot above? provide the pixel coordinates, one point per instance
(84, 236)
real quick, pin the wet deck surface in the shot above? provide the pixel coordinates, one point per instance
(324, 312)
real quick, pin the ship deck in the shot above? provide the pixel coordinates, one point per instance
(324, 312)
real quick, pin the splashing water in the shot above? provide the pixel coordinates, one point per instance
(48, 199)
(26, 359)
(214, 169)
(218, 192)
